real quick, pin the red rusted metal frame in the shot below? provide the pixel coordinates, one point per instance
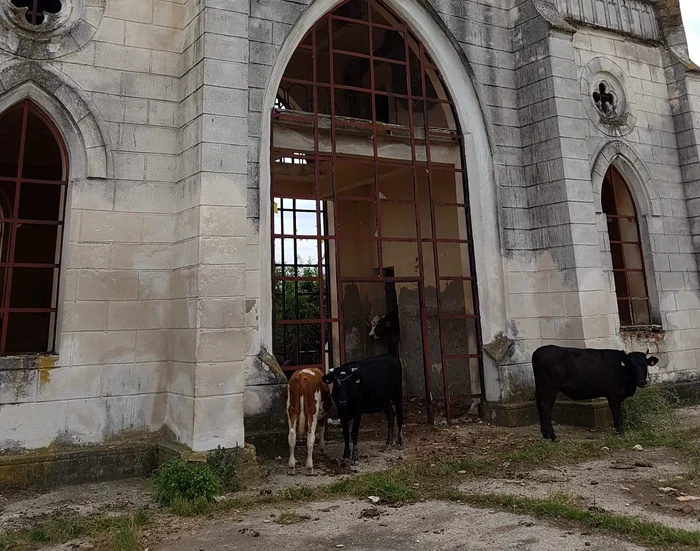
(35, 181)
(14, 222)
(427, 366)
(13, 230)
(320, 229)
(34, 12)
(434, 231)
(339, 121)
(617, 217)
(334, 187)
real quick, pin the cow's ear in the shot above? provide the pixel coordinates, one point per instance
(328, 378)
(652, 360)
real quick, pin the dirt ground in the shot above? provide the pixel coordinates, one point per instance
(627, 483)
(433, 526)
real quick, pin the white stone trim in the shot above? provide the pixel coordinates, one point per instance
(479, 160)
(66, 104)
(646, 200)
(633, 169)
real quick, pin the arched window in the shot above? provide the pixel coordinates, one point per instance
(33, 181)
(626, 251)
(370, 209)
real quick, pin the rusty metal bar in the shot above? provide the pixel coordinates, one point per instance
(434, 232)
(334, 187)
(427, 366)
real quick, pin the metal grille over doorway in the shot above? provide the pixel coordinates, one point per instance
(370, 208)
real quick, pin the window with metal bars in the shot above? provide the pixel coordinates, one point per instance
(37, 9)
(33, 182)
(626, 251)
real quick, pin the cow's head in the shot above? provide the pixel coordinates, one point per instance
(381, 327)
(346, 383)
(639, 363)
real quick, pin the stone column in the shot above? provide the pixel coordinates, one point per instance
(569, 297)
(683, 78)
(209, 341)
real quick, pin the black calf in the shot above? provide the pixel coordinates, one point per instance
(367, 386)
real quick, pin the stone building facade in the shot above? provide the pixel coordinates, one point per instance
(577, 126)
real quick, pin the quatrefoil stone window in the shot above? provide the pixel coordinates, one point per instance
(608, 97)
(605, 100)
(37, 10)
(48, 29)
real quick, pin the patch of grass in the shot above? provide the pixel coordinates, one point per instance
(184, 480)
(394, 485)
(544, 453)
(127, 535)
(650, 406)
(560, 507)
(223, 463)
(191, 507)
(118, 533)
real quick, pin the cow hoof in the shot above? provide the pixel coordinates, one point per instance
(310, 472)
(346, 462)
(291, 471)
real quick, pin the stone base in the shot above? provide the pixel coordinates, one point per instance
(588, 413)
(688, 391)
(512, 414)
(51, 467)
(48, 468)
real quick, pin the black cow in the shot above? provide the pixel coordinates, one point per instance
(367, 386)
(583, 374)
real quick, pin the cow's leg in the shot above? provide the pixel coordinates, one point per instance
(398, 405)
(291, 439)
(310, 439)
(355, 434)
(389, 411)
(345, 422)
(616, 408)
(322, 430)
(545, 405)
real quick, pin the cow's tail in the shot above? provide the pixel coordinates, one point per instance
(302, 416)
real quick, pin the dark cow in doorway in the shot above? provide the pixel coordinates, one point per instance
(386, 329)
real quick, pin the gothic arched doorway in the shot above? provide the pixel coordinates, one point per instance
(370, 208)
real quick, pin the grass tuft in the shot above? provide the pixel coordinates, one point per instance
(394, 485)
(652, 406)
(561, 507)
(118, 533)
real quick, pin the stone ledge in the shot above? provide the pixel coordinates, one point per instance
(584, 413)
(589, 413)
(47, 468)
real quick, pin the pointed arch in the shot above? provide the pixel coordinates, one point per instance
(633, 169)
(477, 151)
(70, 110)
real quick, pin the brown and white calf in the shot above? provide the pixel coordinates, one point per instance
(308, 404)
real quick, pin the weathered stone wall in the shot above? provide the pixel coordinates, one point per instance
(648, 158)
(165, 296)
(112, 367)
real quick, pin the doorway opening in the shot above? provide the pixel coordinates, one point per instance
(370, 210)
